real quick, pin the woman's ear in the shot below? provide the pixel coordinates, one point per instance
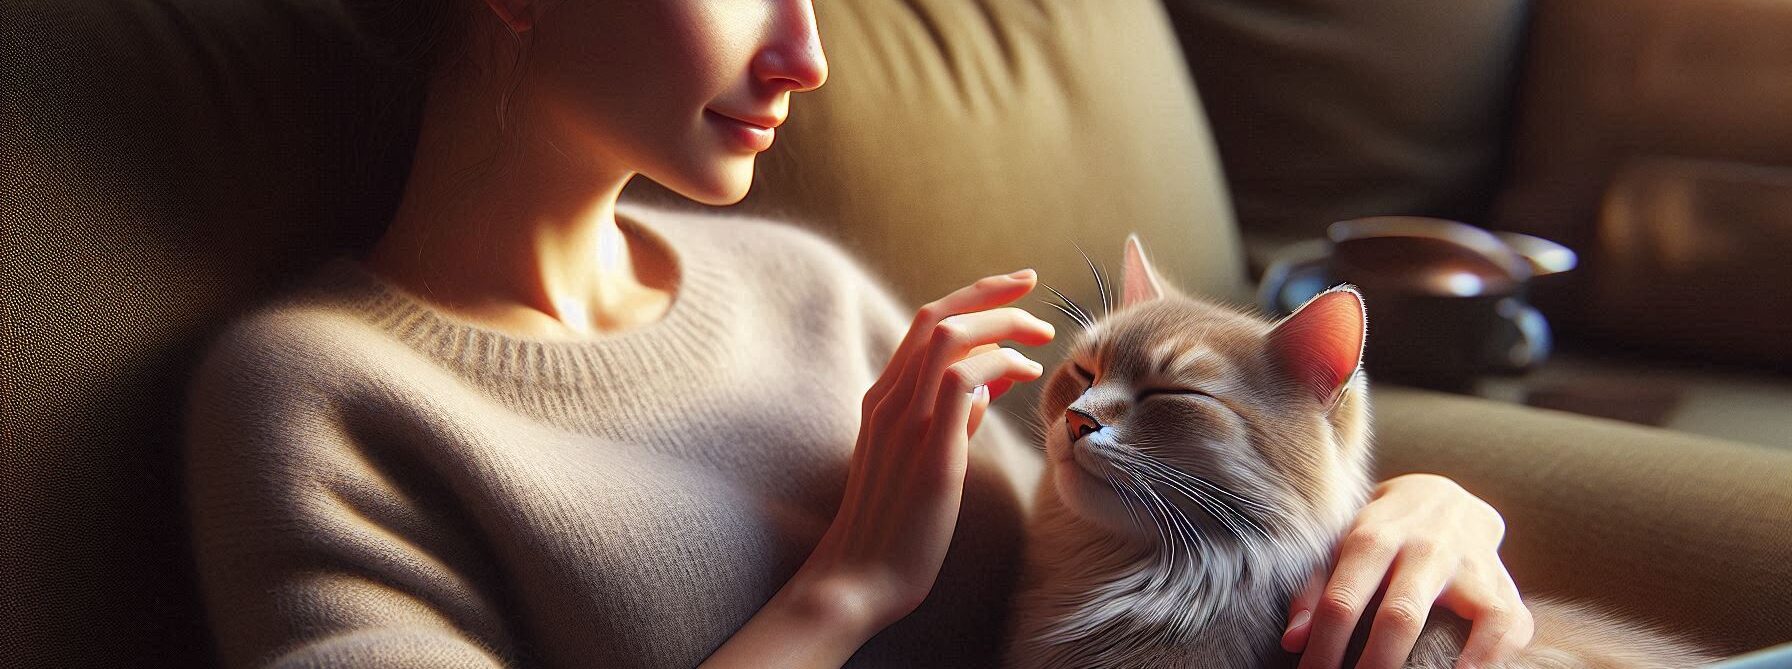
(1320, 345)
(1139, 282)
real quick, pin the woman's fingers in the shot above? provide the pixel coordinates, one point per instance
(952, 406)
(1419, 574)
(940, 461)
(955, 337)
(896, 389)
(1499, 623)
(1442, 543)
(1363, 559)
(997, 387)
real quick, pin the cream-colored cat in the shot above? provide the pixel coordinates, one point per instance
(1200, 463)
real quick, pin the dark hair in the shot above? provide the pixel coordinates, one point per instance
(415, 40)
(413, 37)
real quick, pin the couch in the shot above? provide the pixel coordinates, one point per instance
(168, 163)
(1648, 135)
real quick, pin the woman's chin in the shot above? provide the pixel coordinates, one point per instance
(720, 182)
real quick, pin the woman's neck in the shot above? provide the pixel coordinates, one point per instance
(511, 232)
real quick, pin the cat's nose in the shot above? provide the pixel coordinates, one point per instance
(1079, 423)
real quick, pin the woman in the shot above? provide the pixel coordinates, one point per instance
(535, 425)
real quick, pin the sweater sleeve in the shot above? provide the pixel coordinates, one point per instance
(312, 549)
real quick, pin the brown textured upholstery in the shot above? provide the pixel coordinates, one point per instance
(1613, 82)
(1332, 109)
(1692, 259)
(1608, 80)
(164, 163)
(1688, 532)
(170, 161)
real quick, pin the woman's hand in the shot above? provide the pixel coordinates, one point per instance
(1429, 541)
(880, 557)
(906, 480)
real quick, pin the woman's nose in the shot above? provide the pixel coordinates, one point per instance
(1079, 423)
(792, 59)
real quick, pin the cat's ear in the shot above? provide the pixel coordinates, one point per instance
(1138, 282)
(1321, 343)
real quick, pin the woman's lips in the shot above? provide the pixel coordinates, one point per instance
(741, 133)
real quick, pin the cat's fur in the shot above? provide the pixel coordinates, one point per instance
(1224, 456)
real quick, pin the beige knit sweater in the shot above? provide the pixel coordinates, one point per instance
(373, 482)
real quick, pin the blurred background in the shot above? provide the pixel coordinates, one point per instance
(1647, 137)
(166, 163)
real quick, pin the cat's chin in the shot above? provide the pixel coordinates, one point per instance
(1091, 499)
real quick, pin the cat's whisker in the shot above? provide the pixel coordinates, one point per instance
(1211, 489)
(1152, 505)
(1036, 427)
(1130, 512)
(1192, 530)
(1107, 301)
(1185, 530)
(1228, 517)
(1216, 507)
(1163, 534)
(1082, 316)
(1074, 317)
(1144, 451)
(1101, 281)
(1223, 512)
(1142, 455)
(1177, 536)
(1186, 527)
(1213, 507)
(1248, 502)
(1041, 422)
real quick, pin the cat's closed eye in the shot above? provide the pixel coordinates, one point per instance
(1187, 392)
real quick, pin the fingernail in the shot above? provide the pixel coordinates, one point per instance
(1021, 274)
(981, 391)
(1299, 620)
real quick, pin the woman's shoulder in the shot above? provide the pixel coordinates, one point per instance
(286, 346)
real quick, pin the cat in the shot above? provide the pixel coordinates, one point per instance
(1201, 463)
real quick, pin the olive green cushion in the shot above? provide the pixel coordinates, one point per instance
(1687, 532)
(955, 139)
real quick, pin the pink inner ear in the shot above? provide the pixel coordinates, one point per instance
(1321, 345)
(1138, 281)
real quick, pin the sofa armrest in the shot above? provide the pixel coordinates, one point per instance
(1691, 532)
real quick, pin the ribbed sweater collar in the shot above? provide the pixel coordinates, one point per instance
(686, 345)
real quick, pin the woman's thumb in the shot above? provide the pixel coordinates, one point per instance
(979, 405)
(985, 393)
